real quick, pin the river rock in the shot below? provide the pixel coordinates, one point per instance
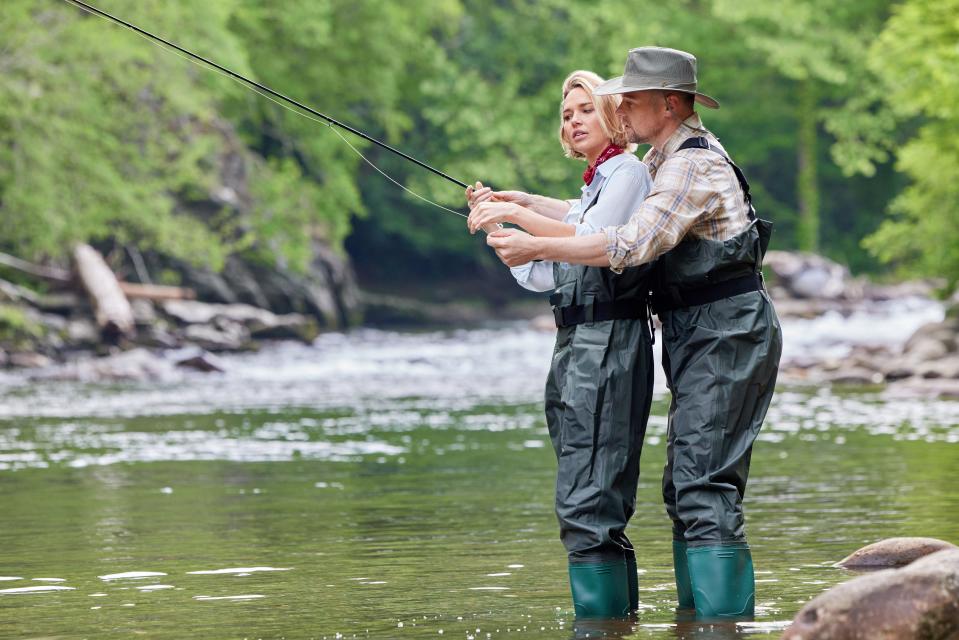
(806, 275)
(290, 326)
(943, 333)
(29, 360)
(195, 312)
(326, 290)
(202, 361)
(260, 323)
(82, 332)
(855, 375)
(893, 552)
(900, 290)
(947, 367)
(138, 365)
(158, 336)
(917, 602)
(225, 336)
(144, 312)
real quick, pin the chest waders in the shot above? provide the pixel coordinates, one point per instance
(721, 349)
(598, 395)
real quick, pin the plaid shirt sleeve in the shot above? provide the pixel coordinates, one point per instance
(681, 197)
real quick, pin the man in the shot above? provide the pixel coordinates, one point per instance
(721, 337)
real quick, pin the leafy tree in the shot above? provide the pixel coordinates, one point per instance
(101, 132)
(916, 57)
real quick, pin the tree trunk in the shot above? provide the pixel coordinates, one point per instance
(113, 312)
(807, 184)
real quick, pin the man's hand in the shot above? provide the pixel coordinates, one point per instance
(514, 247)
(490, 213)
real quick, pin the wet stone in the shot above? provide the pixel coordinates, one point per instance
(144, 312)
(29, 360)
(893, 552)
(206, 362)
(918, 602)
(227, 337)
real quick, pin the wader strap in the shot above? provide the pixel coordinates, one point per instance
(626, 309)
(703, 143)
(681, 299)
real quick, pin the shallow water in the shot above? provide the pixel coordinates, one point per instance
(400, 486)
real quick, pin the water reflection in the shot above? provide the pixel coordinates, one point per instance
(612, 629)
(695, 630)
(412, 494)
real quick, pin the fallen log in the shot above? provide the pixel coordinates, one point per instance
(16, 293)
(156, 291)
(46, 273)
(112, 309)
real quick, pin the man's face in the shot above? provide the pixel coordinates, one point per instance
(645, 115)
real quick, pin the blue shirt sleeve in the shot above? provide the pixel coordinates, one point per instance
(535, 276)
(619, 197)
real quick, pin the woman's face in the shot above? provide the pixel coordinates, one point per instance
(581, 124)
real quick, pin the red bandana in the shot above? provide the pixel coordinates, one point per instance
(608, 152)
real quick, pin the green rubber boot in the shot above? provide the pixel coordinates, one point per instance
(600, 590)
(684, 589)
(632, 582)
(722, 581)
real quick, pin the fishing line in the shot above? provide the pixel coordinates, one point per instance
(266, 92)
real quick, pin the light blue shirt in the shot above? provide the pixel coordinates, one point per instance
(618, 188)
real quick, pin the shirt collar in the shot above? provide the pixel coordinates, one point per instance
(604, 170)
(607, 167)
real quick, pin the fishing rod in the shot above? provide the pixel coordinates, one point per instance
(257, 86)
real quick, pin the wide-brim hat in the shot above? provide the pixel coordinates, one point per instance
(649, 68)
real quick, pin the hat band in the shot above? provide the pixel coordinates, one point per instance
(651, 82)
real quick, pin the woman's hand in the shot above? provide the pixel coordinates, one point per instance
(489, 213)
(478, 194)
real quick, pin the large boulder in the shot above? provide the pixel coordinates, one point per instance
(893, 552)
(807, 275)
(917, 602)
(256, 323)
(223, 336)
(326, 290)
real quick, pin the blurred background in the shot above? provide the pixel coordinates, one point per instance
(249, 387)
(841, 115)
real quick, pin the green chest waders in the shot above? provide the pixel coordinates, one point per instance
(721, 349)
(598, 396)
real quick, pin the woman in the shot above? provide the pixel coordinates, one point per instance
(600, 383)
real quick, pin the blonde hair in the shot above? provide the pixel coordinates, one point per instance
(609, 122)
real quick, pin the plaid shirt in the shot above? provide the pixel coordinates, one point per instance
(695, 192)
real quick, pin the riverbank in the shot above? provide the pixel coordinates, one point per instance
(838, 329)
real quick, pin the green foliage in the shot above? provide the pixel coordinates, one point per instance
(917, 56)
(107, 137)
(17, 330)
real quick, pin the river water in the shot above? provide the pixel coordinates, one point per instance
(399, 485)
